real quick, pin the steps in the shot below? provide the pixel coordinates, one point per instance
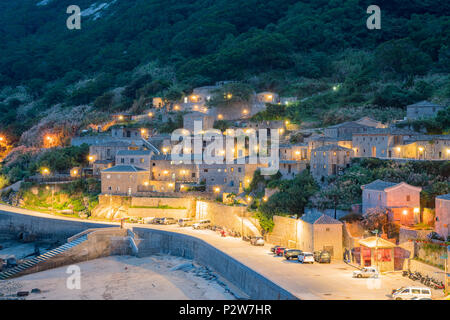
(13, 272)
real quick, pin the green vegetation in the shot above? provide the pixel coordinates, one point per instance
(58, 160)
(298, 48)
(80, 197)
(432, 176)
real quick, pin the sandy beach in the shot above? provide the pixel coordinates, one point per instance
(159, 277)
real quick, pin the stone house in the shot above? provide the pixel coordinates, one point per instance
(367, 121)
(158, 102)
(108, 150)
(329, 160)
(267, 97)
(163, 168)
(345, 130)
(422, 110)
(293, 159)
(377, 252)
(424, 147)
(401, 199)
(320, 232)
(380, 143)
(442, 223)
(128, 133)
(100, 165)
(312, 232)
(320, 141)
(138, 158)
(206, 121)
(123, 180)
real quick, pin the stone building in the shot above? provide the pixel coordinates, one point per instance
(320, 232)
(329, 160)
(380, 143)
(163, 168)
(138, 158)
(123, 180)
(424, 147)
(128, 133)
(367, 121)
(206, 121)
(267, 97)
(345, 130)
(100, 165)
(320, 141)
(108, 150)
(422, 110)
(442, 223)
(401, 199)
(293, 159)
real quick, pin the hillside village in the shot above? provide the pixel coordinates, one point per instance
(139, 180)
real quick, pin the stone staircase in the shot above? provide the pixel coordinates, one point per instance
(29, 263)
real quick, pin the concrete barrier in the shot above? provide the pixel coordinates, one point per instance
(256, 286)
(41, 227)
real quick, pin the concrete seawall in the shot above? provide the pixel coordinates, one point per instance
(42, 226)
(252, 283)
(149, 241)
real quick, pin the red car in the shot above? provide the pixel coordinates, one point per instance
(279, 251)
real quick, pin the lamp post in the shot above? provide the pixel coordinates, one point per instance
(46, 172)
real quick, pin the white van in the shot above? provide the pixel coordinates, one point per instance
(407, 293)
(185, 222)
(202, 224)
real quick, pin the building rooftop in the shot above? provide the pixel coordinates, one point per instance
(384, 131)
(134, 152)
(124, 168)
(425, 104)
(378, 185)
(444, 197)
(318, 218)
(348, 124)
(376, 242)
(332, 147)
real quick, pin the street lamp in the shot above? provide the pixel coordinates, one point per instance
(46, 172)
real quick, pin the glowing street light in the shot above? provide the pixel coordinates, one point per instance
(245, 111)
(150, 114)
(405, 212)
(265, 199)
(45, 171)
(220, 116)
(91, 158)
(216, 189)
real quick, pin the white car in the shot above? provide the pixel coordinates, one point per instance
(366, 272)
(202, 224)
(408, 293)
(257, 241)
(306, 257)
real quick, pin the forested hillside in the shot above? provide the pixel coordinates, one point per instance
(296, 48)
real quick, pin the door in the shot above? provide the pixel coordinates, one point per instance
(374, 152)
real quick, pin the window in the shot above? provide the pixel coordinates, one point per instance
(205, 170)
(232, 169)
(193, 174)
(327, 229)
(415, 291)
(142, 160)
(109, 188)
(122, 160)
(408, 198)
(132, 160)
(239, 169)
(108, 176)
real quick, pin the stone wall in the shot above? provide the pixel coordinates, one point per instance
(41, 226)
(426, 269)
(252, 283)
(158, 213)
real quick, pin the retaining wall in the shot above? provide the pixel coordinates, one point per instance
(43, 227)
(151, 241)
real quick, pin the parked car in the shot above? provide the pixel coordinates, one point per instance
(186, 222)
(202, 224)
(306, 257)
(148, 220)
(257, 241)
(292, 254)
(274, 248)
(408, 293)
(279, 251)
(322, 256)
(158, 220)
(168, 221)
(366, 272)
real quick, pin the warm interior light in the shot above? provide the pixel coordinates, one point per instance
(399, 149)
(165, 172)
(146, 183)
(405, 212)
(420, 149)
(416, 210)
(170, 185)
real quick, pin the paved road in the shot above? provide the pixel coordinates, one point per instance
(315, 281)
